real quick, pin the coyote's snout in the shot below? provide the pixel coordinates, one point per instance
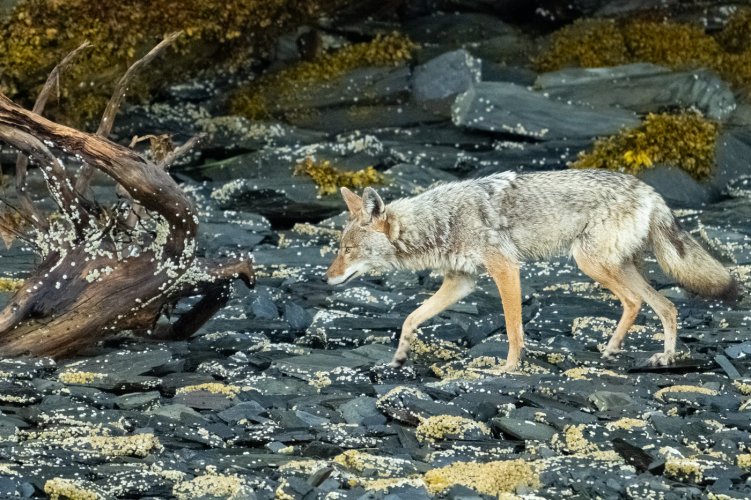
(605, 220)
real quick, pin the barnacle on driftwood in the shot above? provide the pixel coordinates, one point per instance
(104, 270)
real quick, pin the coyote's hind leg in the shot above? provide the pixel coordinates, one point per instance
(665, 309)
(613, 279)
(454, 288)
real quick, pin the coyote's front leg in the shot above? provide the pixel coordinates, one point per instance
(454, 288)
(506, 275)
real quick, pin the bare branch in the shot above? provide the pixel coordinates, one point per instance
(57, 181)
(180, 151)
(53, 77)
(108, 117)
(22, 161)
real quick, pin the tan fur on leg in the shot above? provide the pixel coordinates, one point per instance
(665, 309)
(507, 278)
(612, 279)
(454, 288)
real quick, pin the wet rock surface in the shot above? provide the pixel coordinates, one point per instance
(285, 393)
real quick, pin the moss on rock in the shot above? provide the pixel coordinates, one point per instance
(660, 395)
(441, 427)
(79, 378)
(71, 489)
(229, 391)
(685, 140)
(329, 178)
(607, 42)
(259, 99)
(10, 284)
(684, 469)
(40, 32)
(491, 478)
(211, 486)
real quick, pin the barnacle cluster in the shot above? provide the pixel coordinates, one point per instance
(608, 42)
(39, 33)
(278, 90)
(329, 178)
(686, 140)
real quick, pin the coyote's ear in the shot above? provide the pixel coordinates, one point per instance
(372, 204)
(354, 202)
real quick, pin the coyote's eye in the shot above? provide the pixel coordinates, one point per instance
(347, 249)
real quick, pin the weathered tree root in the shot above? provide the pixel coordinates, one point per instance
(99, 276)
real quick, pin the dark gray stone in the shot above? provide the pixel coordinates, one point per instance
(137, 400)
(524, 430)
(263, 307)
(512, 109)
(643, 90)
(677, 186)
(297, 317)
(731, 159)
(438, 81)
(362, 411)
(609, 400)
(122, 364)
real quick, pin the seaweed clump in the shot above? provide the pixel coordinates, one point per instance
(329, 178)
(607, 42)
(10, 284)
(39, 33)
(685, 140)
(276, 92)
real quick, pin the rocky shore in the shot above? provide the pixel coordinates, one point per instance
(284, 393)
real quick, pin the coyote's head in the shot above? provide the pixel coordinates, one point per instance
(366, 238)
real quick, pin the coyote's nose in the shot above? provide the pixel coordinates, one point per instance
(324, 278)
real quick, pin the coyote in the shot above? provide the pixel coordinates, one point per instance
(605, 220)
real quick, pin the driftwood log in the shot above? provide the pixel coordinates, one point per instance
(104, 271)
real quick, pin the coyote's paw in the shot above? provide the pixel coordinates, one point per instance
(509, 368)
(662, 359)
(610, 353)
(397, 362)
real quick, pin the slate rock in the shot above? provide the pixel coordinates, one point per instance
(512, 109)
(739, 351)
(12, 487)
(263, 307)
(731, 153)
(572, 77)
(644, 91)
(337, 120)
(136, 401)
(203, 400)
(677, 186)
(362, 411)
(609, 400)
(237, 133)
(122, 364)
(437, 82)
(246, 410)
(524, 430)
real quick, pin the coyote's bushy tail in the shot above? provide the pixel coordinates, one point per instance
(683, 258)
